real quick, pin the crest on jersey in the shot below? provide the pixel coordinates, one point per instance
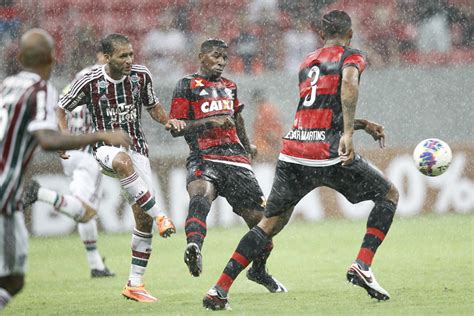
(134, 78)
(103, 84)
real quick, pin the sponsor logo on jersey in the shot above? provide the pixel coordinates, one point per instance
(203, 92)
(303, 135)
(123, 113)
(229, 93)
(217, 105)
(198, 83)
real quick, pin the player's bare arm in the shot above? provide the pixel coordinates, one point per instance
(349, 95)
(159, 114)
(62, 123)
(242, 133)
(373, 129)
(194, 126)
(52, 140)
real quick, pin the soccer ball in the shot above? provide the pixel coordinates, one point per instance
(432, 157)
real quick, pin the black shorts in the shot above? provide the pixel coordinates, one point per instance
(358, 182)
(238, 185)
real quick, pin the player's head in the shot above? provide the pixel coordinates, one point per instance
(213, 57)
(36, 52)
(336, 25)
(118, 53)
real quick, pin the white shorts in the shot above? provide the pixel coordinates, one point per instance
(86, 177)
(106, 154)
(13, 244)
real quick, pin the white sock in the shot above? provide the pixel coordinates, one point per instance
(88, 233)
(66, 204)
(137, 188)
(141, 250)
(5, 297)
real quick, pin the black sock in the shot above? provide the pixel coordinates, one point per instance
(195, 226)
(260, 262)
(250, 246)
(378, 225)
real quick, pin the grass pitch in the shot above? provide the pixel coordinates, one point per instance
(426, 263)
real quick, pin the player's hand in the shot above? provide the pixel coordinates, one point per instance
(62, 154)
(175, 125)
(253, 151)
(224, 121)
(377, 132)
(116, 138)
(346, 149)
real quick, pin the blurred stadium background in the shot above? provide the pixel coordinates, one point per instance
(418, 85)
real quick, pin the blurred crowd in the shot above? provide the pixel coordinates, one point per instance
(263, 35)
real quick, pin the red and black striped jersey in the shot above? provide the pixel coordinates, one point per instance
(314, 136)
(195, 98)
(27, 104)
(115, 104)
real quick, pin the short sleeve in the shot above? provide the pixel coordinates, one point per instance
(43, 105)
(180, 105)
(356, 60)
(149, 97)
(75, 96)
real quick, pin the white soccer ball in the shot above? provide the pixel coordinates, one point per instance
(432, 157)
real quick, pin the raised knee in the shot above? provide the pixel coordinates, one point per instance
(123, 164)
(393, 195)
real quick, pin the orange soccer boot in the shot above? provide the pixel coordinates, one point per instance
(138, 293)
(165, 226)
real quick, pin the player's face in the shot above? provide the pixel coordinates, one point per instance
(120, 61)
(214, 61)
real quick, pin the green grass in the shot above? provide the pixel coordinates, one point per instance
(426, 263)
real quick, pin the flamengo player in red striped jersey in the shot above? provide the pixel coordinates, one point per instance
(85, 186)
(27, 118)
(318, 151)
(115, 95)
(219, 160)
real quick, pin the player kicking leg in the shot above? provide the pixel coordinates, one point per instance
(134, 172)
(86, 189)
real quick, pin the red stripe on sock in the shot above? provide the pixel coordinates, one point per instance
(225, 282)
(240, 259)
(196, 220)
(376, 232)
(366, 255)
(195, 233)
(141, 255)
(145, 197)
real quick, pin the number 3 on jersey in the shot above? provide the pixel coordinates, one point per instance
(314, 75)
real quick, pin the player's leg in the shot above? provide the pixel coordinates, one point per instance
(141, 244)
(292, 182)
(66, 204)
(119, 163)
(246, 197)
(202, 192)
(360, 182)
(86, 184)
(14, 249)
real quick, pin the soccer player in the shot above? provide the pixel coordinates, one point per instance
(85, 187)
(115, 95)
(219, 160)
(318, 151)
(27, 118)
